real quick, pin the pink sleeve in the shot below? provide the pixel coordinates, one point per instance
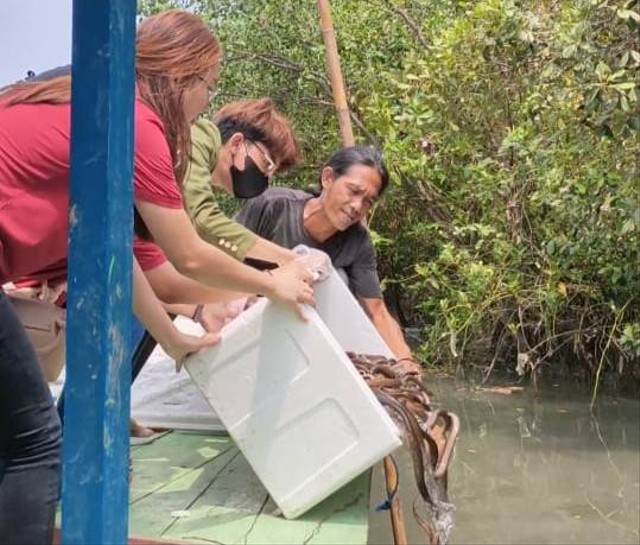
(153, 177)
(148, 254)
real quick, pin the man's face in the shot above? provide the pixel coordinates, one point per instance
(346, 199)
(235, 152)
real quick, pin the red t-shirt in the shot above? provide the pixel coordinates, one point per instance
(148, 254)
(34, 181)
(53, 275)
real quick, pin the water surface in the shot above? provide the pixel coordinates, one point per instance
(534, 471)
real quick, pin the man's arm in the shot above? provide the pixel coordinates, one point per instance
(200, 201)
(390, 332)
(387, 327)
(269, 251)
(364, 281)
(211, 317)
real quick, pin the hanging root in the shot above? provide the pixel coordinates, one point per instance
(429, 434)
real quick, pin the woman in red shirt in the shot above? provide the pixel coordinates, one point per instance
(177, 61)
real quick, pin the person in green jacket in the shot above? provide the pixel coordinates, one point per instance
(245, 145)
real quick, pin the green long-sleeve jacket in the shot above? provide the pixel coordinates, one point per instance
(199, 199)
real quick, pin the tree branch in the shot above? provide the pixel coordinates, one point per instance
(286, 64)
(409, 21)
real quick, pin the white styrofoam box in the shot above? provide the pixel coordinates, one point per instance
(293, 402)
(345, 318)
(161, 398)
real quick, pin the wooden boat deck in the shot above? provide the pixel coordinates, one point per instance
(198, 488)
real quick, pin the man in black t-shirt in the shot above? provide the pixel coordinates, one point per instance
(351, 181)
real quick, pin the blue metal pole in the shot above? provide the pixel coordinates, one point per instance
(96, 436)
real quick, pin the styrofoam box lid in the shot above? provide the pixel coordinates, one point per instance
(293, 402)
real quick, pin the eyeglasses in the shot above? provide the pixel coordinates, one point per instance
(211, 88)
(271, 165)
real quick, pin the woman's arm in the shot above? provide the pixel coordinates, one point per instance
(174, 288)
(204, 263)
(211, 317)
(156, 321)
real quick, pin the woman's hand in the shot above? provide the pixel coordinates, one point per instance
(212, 316)
(291, 286)
(316, 261)
(155, 319)
(179, 345)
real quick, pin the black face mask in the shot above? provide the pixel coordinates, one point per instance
(250, 182)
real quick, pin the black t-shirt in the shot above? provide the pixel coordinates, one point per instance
(277, 215)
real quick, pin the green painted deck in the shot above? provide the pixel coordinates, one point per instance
(198, 488)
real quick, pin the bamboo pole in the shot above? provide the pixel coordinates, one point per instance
(395, 510)
(346, 132)
(335, 74)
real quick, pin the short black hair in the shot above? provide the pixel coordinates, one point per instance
(229, 126)
(258, 120)
(368, 156)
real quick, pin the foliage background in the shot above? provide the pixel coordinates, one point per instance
(510, 238)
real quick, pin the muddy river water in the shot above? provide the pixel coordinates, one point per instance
(534, 471)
